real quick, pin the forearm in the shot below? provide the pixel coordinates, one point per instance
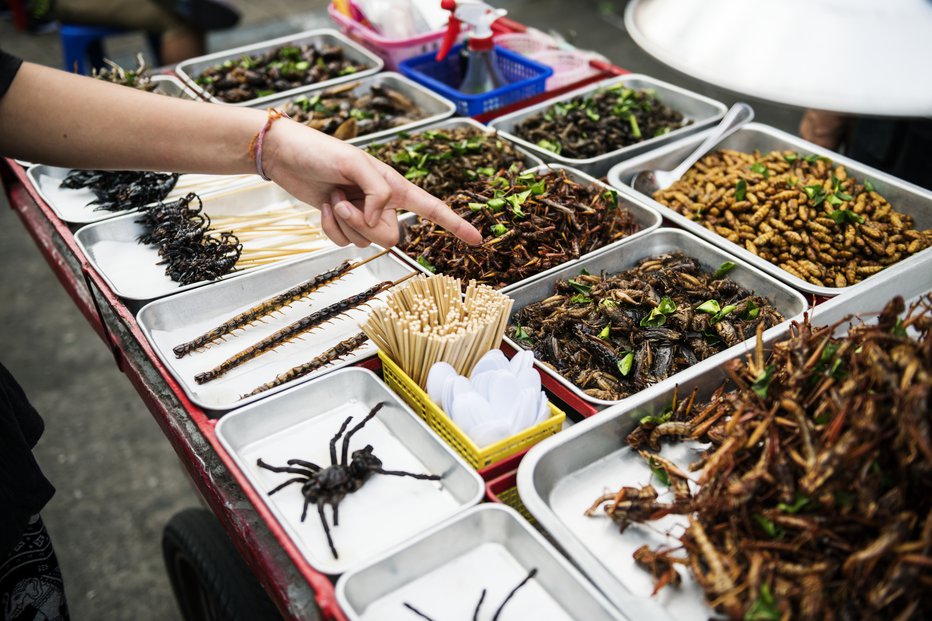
(58, 118)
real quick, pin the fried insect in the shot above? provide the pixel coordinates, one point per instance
(475, 614)
(270, 305)
(279, 69)
(331, 484)
(139, 78)
(341, 349)
(615, 334)
(295, 330)
(604, 121)
(120, 190)
(443, 161)
(815, 494)
(345, 112)
(529, 222)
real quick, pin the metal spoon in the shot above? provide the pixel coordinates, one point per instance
(649, 181)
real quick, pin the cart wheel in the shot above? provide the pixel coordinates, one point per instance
(210, 580)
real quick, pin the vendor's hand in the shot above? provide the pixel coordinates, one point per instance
(357, 194)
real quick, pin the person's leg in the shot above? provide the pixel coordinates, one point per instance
(31, 585)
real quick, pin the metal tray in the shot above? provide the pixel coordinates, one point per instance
(443, 572)
(131, 269)
(173, 87)
(179, 318)
(903, 196)
(561, 477)
(72, 205)
(434, 107)
(190, 69)
(790, 303)
(457, 122)
(387, 510)
(646, 217)
(702, 111)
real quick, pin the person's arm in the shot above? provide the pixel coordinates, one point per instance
(58, 118)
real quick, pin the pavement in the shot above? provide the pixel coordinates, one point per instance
(118, 479)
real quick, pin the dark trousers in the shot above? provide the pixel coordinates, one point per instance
(31, 586)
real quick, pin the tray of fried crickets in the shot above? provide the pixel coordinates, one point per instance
(613, 324)
(813, 218)
(597, 126)
(258, 73)
(347, 469)
(238, 340)
(92, 196)
(371, 107)
(533, 223)
(650, 492)
(489, 553)
(176, 245)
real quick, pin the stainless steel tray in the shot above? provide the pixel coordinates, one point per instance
(457, 122)
(190, 69)
(72, 205)
(702, 111)
(434, 107)
(131, 269)
(180, 318)
(387, 510)
(561, 477)
(647, 218)
(173, 87)
(443, 572)
(903, 196)
(789, 302)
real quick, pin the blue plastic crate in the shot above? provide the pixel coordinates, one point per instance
(526, 78)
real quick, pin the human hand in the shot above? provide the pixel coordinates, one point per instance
(357, 194)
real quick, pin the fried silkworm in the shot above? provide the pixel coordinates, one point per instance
(343, 348)
(294, 330)
(270, 305)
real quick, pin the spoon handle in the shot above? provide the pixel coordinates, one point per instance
(737, 115)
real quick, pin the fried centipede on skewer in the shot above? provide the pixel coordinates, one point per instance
(270, 305)
(341, 349)
(296, 329)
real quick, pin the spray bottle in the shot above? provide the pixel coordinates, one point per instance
(482, 74)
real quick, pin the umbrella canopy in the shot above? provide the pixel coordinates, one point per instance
(867, 57)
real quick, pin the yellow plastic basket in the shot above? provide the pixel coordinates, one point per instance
(415, 396)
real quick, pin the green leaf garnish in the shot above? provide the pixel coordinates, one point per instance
(580, 287)
(658, 420)
(415, 173)
(658, 471)
(791, 157)
(606, 332)
(592, 114)
(550, 145)
(760, 169)
(796, 506)
(666, 306)
(898, 329)
(538, 188)
(486, 171)
(579, 298)
(752, 311)
(521, 334)
(768, 526)
(423, 262)
(869, 185)
(815, 193)
(709, 306)
(723, 269)
(496, 204)
(741, 190)
(762, 382)
(612, 197)
(846, 216)
(764, 607)
(499, 229)
(476, 206)
(726, 310)
(658, 314)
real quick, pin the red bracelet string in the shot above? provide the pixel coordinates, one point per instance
(255, 145)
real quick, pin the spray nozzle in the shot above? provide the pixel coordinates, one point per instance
(477, 14)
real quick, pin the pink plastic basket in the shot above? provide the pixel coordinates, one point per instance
(568, 66)
(392, 51)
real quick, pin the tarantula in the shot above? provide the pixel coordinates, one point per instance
(475, 614)
(330, 485)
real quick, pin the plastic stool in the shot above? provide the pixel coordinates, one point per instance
(80, 42)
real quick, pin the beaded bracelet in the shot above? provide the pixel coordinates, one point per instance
(255, 145)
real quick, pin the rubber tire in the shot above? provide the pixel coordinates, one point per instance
(209, 578)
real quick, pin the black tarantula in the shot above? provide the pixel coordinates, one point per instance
(330, 485)
(475, 614)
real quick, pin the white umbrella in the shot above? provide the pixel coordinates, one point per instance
(866, 57)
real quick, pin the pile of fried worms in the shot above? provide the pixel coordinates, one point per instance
(815, 495)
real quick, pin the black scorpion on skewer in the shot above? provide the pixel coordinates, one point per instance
(269, 306)
(330, 485)
(475, 614)
(338, 351)
(117, 190)
(293, 331)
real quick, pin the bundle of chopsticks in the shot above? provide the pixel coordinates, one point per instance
(431, 319)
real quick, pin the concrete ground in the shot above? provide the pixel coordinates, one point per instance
(118, 480)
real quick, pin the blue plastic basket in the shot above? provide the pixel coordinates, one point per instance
(526, 78)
